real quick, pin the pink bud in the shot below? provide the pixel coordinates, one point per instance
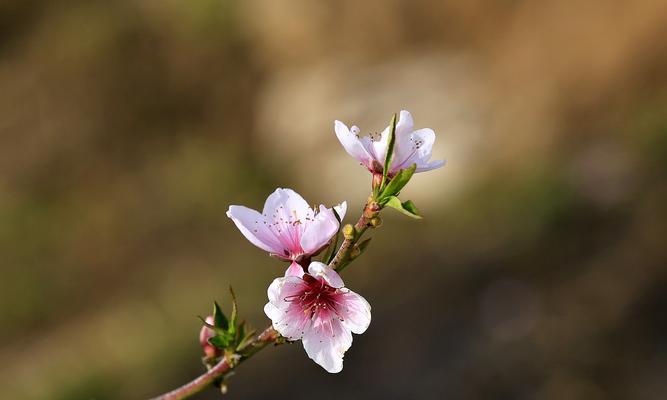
(204, 335)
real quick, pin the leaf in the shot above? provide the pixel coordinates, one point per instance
(397, 183)
(244, 338)
(408, 208)
(234, 315)
(219, 341)
(219, 318)
(390, 150)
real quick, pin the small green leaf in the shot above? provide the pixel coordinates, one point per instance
(397, 183)
(390, 150)
(219, 341)
(219, 318)
(244, 337)
(234, 315)
(408, 208)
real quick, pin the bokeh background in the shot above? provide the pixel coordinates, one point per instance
(128, 127)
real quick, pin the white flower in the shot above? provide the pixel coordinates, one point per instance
(411, 146)
(316, 308)
(288, 227)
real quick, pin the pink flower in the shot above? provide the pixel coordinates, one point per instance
(411, 147)
(316, 308)
(288, 227)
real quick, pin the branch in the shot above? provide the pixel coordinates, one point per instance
(270, 335)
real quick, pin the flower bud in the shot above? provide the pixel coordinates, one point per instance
(204, 335)
(375, 222)
(348, 232)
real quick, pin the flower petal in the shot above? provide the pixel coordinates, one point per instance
(431, 165)
(356, 312)
(252, 225)
(341, 209)
(286, 316)
(326, 342)
(286, 204)
(294, 270)
(320, 270)
(317, 233)
(351, 143)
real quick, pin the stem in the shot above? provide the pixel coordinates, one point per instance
(343, 255)
(269, 335)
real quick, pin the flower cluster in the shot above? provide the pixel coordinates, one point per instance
(310, 302)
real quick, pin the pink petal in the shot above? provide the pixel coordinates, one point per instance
(294, 270)
(326, 342)
(317, 233)
(287, 203)
(252, 226)
(356, 312)
(431, 165)
(351, 143)
(320, 270)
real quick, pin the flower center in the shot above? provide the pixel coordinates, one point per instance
(317, 298)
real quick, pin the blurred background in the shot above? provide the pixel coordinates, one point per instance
(127, 128)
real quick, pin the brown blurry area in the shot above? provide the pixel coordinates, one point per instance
(128, 127)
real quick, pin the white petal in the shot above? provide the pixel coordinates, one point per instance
(341, 209)
(294, 270)
(320, 270)
(405, 124)
(404, 146)
(317, 233)
(327, 343)
(252, 226)
(431, 165)
(286, 316)
(351, 142)
(286, 203)
(426, 138)
(356, 312)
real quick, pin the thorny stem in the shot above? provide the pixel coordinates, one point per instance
(270, 335)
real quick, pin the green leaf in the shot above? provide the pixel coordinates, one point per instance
(330, 252)
(244, 337)
(220, 341)
(219, 318)
(408, 208)
(390, 150)
(397, 183)
(234, 315)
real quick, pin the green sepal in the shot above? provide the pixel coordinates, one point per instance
(244, 338)
(234, 315)
(221, 341)
(397, 183)
(408, 208)
(219, 318)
